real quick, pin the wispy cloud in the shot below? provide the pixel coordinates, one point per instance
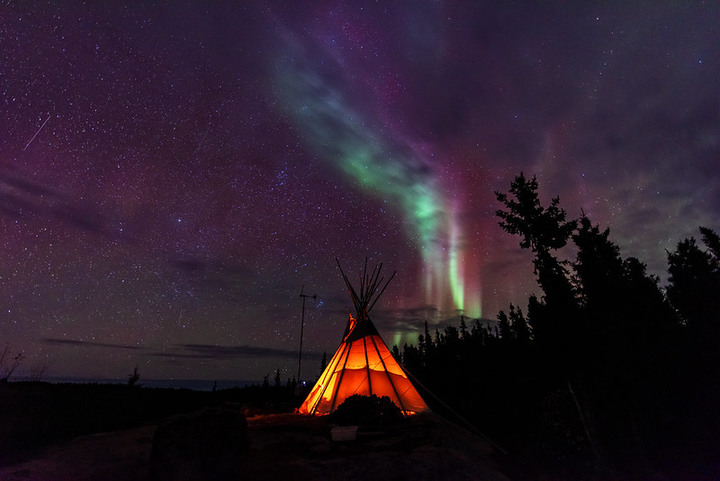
(208, 351)
(412, 320)
(77, 342)
(19, 197)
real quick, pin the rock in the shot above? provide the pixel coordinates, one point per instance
(344, 433)
(203, 446)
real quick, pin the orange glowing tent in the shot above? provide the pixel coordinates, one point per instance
(363, 364)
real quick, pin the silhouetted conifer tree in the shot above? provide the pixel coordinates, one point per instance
(519, 325)
(323, 362)
(277, 378)
(504, 327)
(694, 291)
(543, 231)
(694, 287)
(463, 328)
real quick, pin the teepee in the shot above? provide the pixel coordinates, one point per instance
(363, 364)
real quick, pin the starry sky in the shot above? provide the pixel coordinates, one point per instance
(173, 174)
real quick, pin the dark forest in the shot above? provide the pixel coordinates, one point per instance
(606, 373)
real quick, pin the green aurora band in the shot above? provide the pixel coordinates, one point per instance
(340, 133)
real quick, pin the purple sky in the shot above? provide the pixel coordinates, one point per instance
(170, 176)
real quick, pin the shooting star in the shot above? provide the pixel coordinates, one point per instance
(36, 134)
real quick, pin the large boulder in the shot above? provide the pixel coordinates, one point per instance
(206, 445)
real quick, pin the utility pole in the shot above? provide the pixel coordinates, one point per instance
(303, 296)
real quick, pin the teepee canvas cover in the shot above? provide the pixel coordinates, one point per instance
(363, 364)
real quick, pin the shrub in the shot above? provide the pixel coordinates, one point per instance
(366, 410)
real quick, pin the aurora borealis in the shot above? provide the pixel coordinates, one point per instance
(171, 175)
(388, 169)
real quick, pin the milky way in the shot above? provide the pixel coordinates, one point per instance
(170, 176)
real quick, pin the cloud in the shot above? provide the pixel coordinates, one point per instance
(218, 274)
(17, 184)
(412, 319)
(76, 342)
(19, 197)
(209, 351)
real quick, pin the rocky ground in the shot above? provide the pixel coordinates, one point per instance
(284, 446)
(115, 456)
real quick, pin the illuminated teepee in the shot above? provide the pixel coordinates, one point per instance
(363, 364)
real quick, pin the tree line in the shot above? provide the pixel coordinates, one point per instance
(604, 375)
